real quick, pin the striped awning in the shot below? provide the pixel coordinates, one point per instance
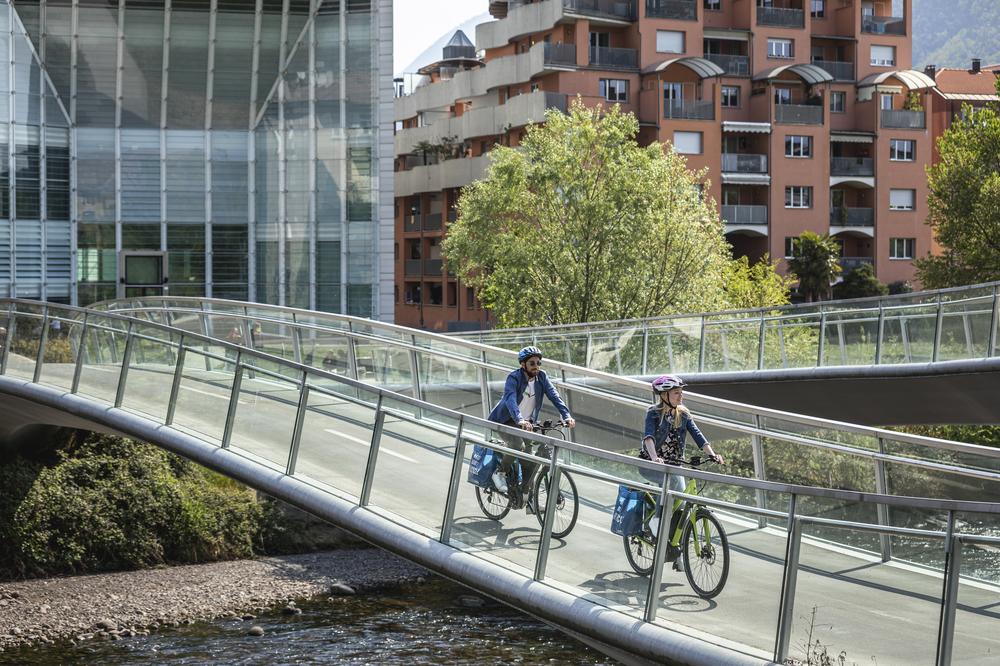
(746, 128)
(852, 137)
(700, 66)
(911, 78)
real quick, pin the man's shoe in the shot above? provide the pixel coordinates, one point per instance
(673, 553)
(500, 481)
(677, 565)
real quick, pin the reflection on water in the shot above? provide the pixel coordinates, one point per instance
(418, 624)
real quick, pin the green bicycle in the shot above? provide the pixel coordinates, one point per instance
(695, 532)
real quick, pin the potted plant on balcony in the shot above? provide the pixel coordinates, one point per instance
(913, 102)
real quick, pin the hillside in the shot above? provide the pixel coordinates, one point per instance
(950, 34)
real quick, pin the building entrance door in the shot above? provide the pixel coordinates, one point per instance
(142, 274)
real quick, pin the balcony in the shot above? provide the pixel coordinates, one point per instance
(623, 10)
(904, 119)
(852, 166)
(682, 110)
(883, 25)
(436, 177)
(603, 56)
(432, 222)
(842, 71)
(412, 223)
(852, 217)
(756, 215)
(560, 54)
(432, 267)
(781, 17)
(848, 264)
(734, 65)
(685, 10)
(744, 163)
(413, 267)
(798, 114)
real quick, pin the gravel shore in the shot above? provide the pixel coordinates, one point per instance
(116, 605)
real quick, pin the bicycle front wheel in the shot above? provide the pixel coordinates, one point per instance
(567, 503)
(495, 505)
(706, 554)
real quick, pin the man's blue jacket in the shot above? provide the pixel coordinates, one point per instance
(507, 409)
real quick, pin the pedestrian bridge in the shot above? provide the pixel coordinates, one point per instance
(879, 544)
(888, 360)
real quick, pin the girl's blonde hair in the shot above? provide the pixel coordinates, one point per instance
(679, 411)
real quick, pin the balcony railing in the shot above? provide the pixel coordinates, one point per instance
(412, 222)
(672, 9)
(560, 54)
(605, 56)
(682, 110)
(842, 71)
(782, 17)
(852, 217)
(852, 166)
(904, 119)
(734, 65)
(432, 222)
(744, 163)
(884, 25)
(798, 114)
(414, 267)
(744, 215)
(618, 9)
(432, 267)
(850, 263)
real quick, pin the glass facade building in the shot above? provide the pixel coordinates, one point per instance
(225, 148)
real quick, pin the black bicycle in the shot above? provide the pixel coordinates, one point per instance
(701, 539)
(497, 504)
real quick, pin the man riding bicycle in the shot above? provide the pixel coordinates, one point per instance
(519, 406)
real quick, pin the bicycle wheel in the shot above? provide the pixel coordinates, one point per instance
(639, 551)
(706, 554)
(567, 503)
(495, 505)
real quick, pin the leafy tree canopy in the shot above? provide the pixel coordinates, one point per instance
(859, 283)
(815, 264)
(581, 224)
(964, 202)
(755, 285)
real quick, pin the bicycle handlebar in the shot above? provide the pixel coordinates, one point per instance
(545, 426)
(694, 461)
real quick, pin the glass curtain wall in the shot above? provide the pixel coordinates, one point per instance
(238, 137)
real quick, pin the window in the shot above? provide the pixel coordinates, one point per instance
(731, 96)
(687, 143)
(780, 48)
(883, 56)
(534, 86)
(902, 150)
(798, 197)
(614, 90)
(714, 5)
(902, 248)
(838, 102)
(798, 146)
(782, 96)
(885, 101)
(669, 41)
(791, 246)
(818, 8)
(902, 199)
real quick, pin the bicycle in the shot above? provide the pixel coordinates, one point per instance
(496, 504)
(700, 536)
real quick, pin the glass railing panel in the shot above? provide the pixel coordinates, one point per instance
(790, 462)
(185, 319)
(273, 338)
(24, 341)
(869, 611)
(732, 344)
(917, 550)
(451, 383)
(674, 346)
(618, 351)
(103, 350)
(911, 480)
(385, 365)
(980, 561)
(971, 459)
(601, 423)
(374, 330)
(446, 348)
(320, 322)
(413, 471)
(265, 417)
(818, 432)
(150, 375)
(336, 439)
(327, 351)
(737, 449)
(849, 337)
(965, 329)
(61, 346)
(908, 334)
(791, 341)
(568, 347)
(837, 509)
(700, 407)
(977, 614)
(203, 396)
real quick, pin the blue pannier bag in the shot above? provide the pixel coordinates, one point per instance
(627, 518)
(484, 462)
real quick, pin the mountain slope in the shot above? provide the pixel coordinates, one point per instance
(952, 33)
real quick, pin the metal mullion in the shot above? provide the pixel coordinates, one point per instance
(456, 478)
(545, 538)
(282, 158)
(43, 155)
(645, 349)
(81, 350)
(6, 339)
(342, 191)
(213, 13)
(994, 321)
(415, 371)
(300, 415)
(252, 157)
(701, 347)
(42, 340)
(788, 582)
(882, 488)
(880, 333)
(949, 595)
(11, 155)
(126, 360)
(234, 396)
(821, 347)
(119, 68)
(175, 385)
(660, 550)
(352, 353)
(759, 468)
(311, 168)
(366, 486)
(296, 340)
(164, 92)
(937, 331)
(484, 387)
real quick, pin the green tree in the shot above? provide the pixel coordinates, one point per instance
(815, 264)
(859, 283)
(964, 202)
(757, 285)
(580, 224)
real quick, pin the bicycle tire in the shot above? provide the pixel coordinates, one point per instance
(707, 569)
(639, 551)
(494, 504)
(563, 523)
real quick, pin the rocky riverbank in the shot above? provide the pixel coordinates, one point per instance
(117, 605)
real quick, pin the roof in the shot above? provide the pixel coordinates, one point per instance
(700, 66)
(911, 78)
(459, 39)
(965, 82)
(960, 97)
(811, 74)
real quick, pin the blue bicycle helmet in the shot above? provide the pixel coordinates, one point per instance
(527, 353)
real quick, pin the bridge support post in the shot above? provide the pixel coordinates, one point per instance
(484, 387)
(126, 360)
(43, 338)
(994, 322)
(11, 327)
(296, 340)
(352, 352)
(81, 350)
(300, 415)
(701, 346)
(175, 385)
(203, 320)
(759, 468)
(645, 348)
(949, 596)
(545, 538)
(366, 486)
(456, 479)
(415, 370)
(882, 488)
(234, 400)
(660, 551)
(788, 581)
(821, 347)
(880, 333)
(760, 342)
(938, 321)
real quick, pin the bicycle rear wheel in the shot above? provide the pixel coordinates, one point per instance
(495, 505)
(639, 550)
(567, 503)
(706, 554)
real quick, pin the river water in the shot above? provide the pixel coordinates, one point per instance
(431, 623)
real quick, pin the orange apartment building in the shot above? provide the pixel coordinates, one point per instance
(806, 114)
(954, 88)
